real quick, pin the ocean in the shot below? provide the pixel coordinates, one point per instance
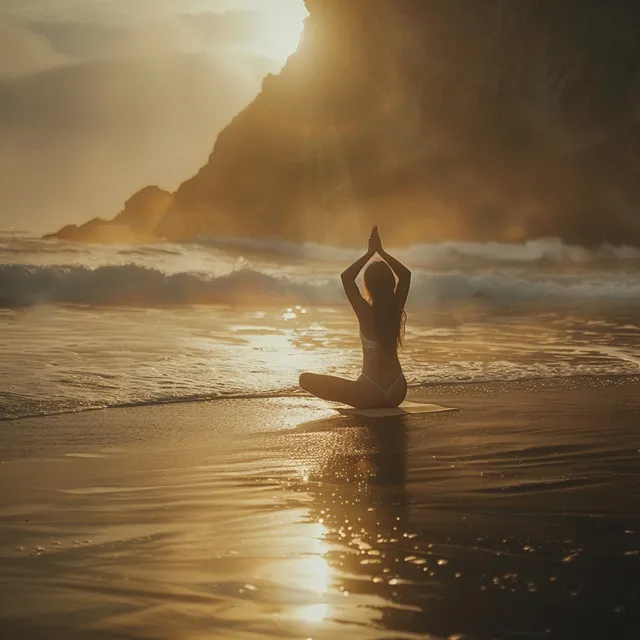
(93, 326)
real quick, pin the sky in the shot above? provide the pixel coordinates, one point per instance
(99, 98)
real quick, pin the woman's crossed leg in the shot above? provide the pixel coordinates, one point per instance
(360, 393)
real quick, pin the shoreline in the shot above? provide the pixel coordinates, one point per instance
(414, 391)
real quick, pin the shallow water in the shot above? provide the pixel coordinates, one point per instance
(91, 326)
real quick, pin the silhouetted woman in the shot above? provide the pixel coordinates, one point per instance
(381, 317)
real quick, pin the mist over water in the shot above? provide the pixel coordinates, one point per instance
(94, 326)
(249, 271)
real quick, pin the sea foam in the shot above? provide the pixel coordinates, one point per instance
(134, 285)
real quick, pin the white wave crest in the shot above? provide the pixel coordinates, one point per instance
(544, 251)
(502, 288)
(134, 285)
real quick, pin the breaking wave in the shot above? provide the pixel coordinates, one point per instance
(134, 285)
(543, 251)
(447, 255)
(140, 286)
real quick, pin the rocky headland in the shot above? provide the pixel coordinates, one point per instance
(497, 120)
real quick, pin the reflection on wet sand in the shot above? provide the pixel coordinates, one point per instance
(357, 476)
(415, 554)
(379, 556)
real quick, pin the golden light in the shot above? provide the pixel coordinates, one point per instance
(289, 315)
(305, 571)
(313, 612)
(314, 573)
(281, 30)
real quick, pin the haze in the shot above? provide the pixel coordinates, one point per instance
(98, 99)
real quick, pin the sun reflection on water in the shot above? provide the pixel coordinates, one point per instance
(313, 612)
(317, 574)
(293, 312)
(313, 575)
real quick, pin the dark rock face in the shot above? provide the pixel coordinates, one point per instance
(135, 224)
(493, 120)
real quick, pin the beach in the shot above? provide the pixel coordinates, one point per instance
(517, 516)
(215, 216)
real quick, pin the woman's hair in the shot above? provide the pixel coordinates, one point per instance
(388, 316)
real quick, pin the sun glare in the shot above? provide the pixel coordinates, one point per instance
(281, 31)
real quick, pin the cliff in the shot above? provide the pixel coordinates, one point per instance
(494, 120)
(135, 224)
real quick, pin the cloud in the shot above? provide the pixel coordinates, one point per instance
(201, 33)
(95, 112)
(24, 51)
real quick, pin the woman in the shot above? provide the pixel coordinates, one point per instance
(381, 317)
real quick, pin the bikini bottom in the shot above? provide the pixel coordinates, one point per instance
(385, 393)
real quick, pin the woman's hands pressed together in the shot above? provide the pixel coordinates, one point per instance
(375, 243)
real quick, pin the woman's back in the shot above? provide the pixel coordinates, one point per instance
(381, 320)
(380, 366)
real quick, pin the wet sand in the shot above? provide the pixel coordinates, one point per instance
(516, 517)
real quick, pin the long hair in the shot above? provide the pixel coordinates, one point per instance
(388, 316)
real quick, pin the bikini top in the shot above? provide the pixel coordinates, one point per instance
(367, 343)
(371, 364)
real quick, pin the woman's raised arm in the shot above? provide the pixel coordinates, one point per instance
(403, 274)
(349, 276)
